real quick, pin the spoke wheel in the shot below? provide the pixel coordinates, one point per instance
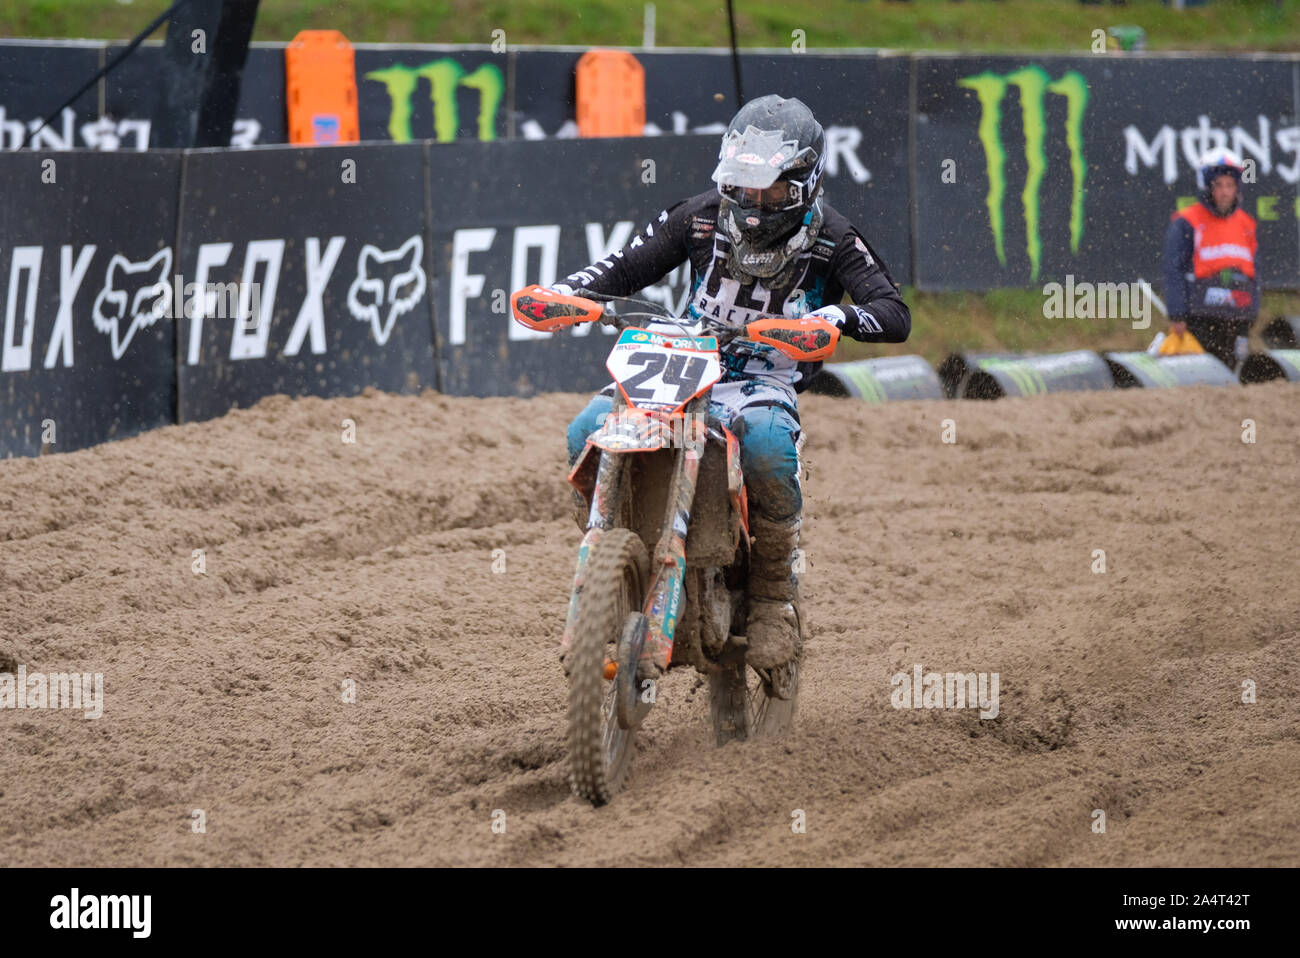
(613, 588)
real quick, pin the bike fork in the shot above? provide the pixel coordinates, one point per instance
(668, 564)
(604, 502)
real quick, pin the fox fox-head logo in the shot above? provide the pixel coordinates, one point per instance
(387, 285)
(135, 296)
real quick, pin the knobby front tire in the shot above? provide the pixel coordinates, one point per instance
(613, 587)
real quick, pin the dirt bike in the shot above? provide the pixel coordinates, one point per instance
(662, 568)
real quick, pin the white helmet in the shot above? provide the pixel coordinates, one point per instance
(1214, 163)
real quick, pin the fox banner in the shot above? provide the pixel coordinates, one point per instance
(1029, 170)
(507, 215)
(303, 272)
(85, 242)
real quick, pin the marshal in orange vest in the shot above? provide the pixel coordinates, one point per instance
(1220, 242)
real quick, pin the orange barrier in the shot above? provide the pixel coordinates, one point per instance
(321, 81)
(610, 87)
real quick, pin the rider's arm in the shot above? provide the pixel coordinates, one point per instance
(653, 253)
(879, 314)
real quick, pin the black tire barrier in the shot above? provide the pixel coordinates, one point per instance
(879, 380)
(1282, 333)
(1271, 364)
(994, 378)
(1139, 369)
(954, 369)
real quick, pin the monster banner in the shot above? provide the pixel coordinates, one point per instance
(28, 94)
(131, 96)
(1030, 170)
(431, 93)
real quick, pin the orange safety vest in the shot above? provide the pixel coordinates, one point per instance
(1221, 242)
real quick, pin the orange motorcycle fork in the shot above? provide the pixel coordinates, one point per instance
(604, 500)
(667, 565)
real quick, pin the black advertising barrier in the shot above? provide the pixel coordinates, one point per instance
(993, 378)
(860, 100)
(35, 77)
(1271, 364)
(332, 244)
(85, 241)
(878, 380)
(1028, 169)
(1283, 332)
(954, 369)
(131, 93)
(1191, 369)
(508, 214)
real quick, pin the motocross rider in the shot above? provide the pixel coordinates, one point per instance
(762, 243)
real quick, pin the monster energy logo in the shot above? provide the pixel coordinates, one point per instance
(445, 77)
(1034, 85)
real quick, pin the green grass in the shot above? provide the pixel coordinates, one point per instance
(1012, 320)
(1009, 25)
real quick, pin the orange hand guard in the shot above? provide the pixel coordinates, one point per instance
(808, 339)
(548, 311)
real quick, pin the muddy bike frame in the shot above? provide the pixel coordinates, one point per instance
(668, 563)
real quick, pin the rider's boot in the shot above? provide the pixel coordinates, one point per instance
(773, 630)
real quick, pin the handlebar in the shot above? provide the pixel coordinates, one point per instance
(806, 339)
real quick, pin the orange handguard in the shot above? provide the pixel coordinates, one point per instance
(548, 311)
(808, 339)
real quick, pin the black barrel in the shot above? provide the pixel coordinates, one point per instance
(1282, 333)
(1153, 372)
(878, 380)
(954, 369)
(1271, 364)
(993, 378)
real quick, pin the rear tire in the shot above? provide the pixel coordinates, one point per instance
(614, 586)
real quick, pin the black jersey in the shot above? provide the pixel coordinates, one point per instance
(840, 261)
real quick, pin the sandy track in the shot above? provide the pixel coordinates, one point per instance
(373, 561)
